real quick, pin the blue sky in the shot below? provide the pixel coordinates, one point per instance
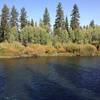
(89, 9)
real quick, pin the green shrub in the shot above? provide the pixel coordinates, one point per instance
(81, 49)
(58, 45)
(72, 48)
(87, 50)
(50, 50)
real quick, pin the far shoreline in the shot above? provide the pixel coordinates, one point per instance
(17, 50)
(46, 55)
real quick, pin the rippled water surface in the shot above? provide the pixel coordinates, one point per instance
(50, 78)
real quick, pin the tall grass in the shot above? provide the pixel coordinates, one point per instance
(17, 49)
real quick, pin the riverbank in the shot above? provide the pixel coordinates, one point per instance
(32, 56)
(17, 50)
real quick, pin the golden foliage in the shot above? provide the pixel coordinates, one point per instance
(17, 49)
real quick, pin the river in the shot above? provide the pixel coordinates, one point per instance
(50, 78)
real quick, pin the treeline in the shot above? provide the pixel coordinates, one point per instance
(15, 26)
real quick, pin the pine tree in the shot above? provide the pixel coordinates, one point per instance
(32, 22)
(4, 22)
(14, 17)
(29, 23)
(41, 23)
(67, 24)
(36, 25)
(0, 31)
(75, 18)
(23, 18)
(92, 24)
(46, 19)
(59, 21)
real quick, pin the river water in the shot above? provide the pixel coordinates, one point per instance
(50, 78)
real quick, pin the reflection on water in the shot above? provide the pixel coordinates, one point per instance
(50, 78)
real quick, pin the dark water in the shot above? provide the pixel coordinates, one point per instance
(50, 78)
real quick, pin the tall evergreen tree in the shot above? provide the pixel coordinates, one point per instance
(59, 21)
(75, 18)
(92, 24)
(36, 25)
(4, 22)
(23, 18)
(14, 17)
(41, 23)
(28, 23)
(32, 22)
(0, 31)
(46, 19)
(67, 24)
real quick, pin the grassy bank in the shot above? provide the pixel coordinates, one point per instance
(15, 49)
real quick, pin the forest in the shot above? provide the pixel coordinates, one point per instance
(20, 36)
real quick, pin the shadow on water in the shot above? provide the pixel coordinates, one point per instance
(82, 81)
(82, 77)
(66, 82)
(43, 89)
(2, 81)
(50, 79)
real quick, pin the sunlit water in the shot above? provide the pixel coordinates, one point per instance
(50, 78)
